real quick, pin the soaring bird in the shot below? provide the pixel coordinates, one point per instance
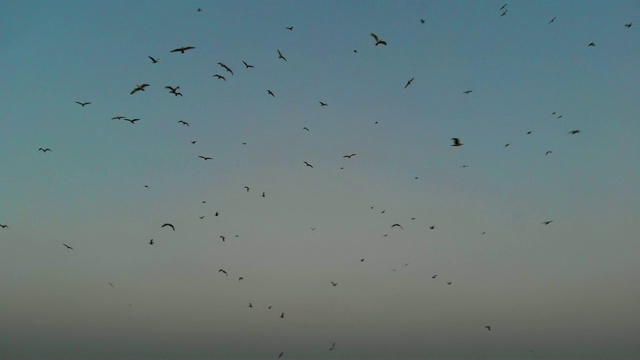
(247, 66)
(151, 242)
(548, 152)
(529, 132)
(398, 225)
(308, 165)
(183, 49)
(552, 20)
(503, 6)
(111, 284)
(222, 271)
(280, 56)
(263, 195)
(290, 28)
(4, 226)
(281, 353)
(456, 142)
(222, 237)
(282, 316)
(44, 150)
(250, 305)
(271, 93)
(133, 121)
(194, 141)
(467, 92)
(83, 103)
(153, 60)
(169, 225)
(504, 12)
(205, 157)
(334, 283)
(628, 25)
(362, 260)
(68, 247)
(547, 222)
(220, 77)
(240, 278)
(408, 83)
(226, 68)
(139, 88)
(592, 44)
(507, 144)
(378, 40)
(349, 156)
(201, 217)
(247, 188)
(305, 128)
(422, 21)
(573, 132)
(432, 227)
(333, 346)
(448, 282)
(172, 89)
(183, 122)
(117, 118)
(488, 327)
(434, 276)
(323, 103)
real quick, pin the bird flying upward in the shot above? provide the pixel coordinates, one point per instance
(280, 56)
(247, 66)
(378, 40)
(308, 165)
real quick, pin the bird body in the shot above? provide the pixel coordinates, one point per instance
(183, 122)
(456, 142)
(205, 157)
(323, 104)
(280, 56)
(168, 225)
(408, 83)
(222, 271)
(139, 88)
(271, 93)
(68, 247)
(183, 49)
(378, 40)
(308, 165)
(154, 60)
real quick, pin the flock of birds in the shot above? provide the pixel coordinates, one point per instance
(228, 71)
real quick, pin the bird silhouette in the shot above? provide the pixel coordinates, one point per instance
(226, 68)
(503, 6)
(504, 13)
(153, 60)
(467, 92)
(247, 66)
(488, 327)
(547, 222)
(68, 247)
(172, 89)
(398, 225)
(323, 104)
(434, 276)
(247, 188)
(281, 353)
(4, 226)
(378, 40)
(592, 44)
(44, 150)
(362, 260)
(151, 242)
(133, 121)
(305, 128)
(334, 283)
(83, 104)
(505, 145)
(290, 28)
(422, 21)
(308, 165)
(222, 271)
(271, 93)
(448, 282)
(201, 217)
(263, 195)
(333, 346)
(139, 88)
(280, 56)
(552, 20)
(349, 156)
(117, 118)
(183, 49)
(456, 142)
(282, 316)
(529, 132)
(548, 152)
(205, 157)
(169, 225)
(628, 25)
(240, 278)
(573, 132)
(183, 122)
(194, 141)
(222, 237)
(408, 83)
(220, 77)
(111, 284)
(432, 227)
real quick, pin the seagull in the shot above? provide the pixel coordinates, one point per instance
(408, 83)
(222, 271)
(628, 25)
(83, 103)
(44, 150)
(183, 122)
(349, 156)
(592, 44)
(154, 60)
(488, 327)
(548, 152)
(573, 132)
(378, 40)
(280, 56)
(290, 28)
(222, 237)
(467, 92)
(151, 242)
(271, 93)
(183, 49)
(139, 88)
(117, 118)
(172, 89)
(323, 104)
(247, 65)
(308, 165)
(552, 20)
(226, 68)
(4, 226)
(169, 225)
(220, 77)
(398, 225)
(305, 128)
(133, 121)
(547, 222)
(68, 247)
(456, 142)
(246, 187)
(205, 157)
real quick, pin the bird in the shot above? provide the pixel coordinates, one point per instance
(464, 166)
(573, 132)
(378, 40)
(282, 316)
(219, 77)
(362, 260)
(83, 104)
(592, 44)
(111, 284)
(280, 56)
(323, 103)
(456, 142)
(559, 117)
(68, 247)
(44, 150)
(183, 122)
(504, 13)
(334, 283)
(205, 157)
(422, 21)
(183, 49)
(216, 214)
(308, 165)
(222, 237)
(226, 68)
(153, 60)
(408, 83)
(628, 25)
(507, 144)
(281, 353)
(434, 276)
(247, 66)
(247, 188)
(432, 227)
(201, 217)
(222, 271)
(290, 28)
(133, 121)
(4, 226)
(199, 9)
(139, 88)
(271, 93)
(305, 128)
(169, 225)
(172, 89)
(547, 222)
(312, 229)
(349, 156)
(503, 6)
(151, 242)
(548, 152)
(250, 305)
(467, 92)
(529, 132)
(448, 282)
(117, 118)
(488, 327)
(333, 346)
(398, 225)
(194, 141)
(552, 20)
(263, 195)
(240, 278)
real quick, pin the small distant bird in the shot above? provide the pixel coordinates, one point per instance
(432, 227)
(334, 283)
(117, 118)
(281, 353)
(111, 284)
(573, 132)
(153, 60)
(507, 144)
(355, 51)
(323, 104)
(226, 68)
(3, 226)
(146, 186)
(529, 132)
(280, 56)
(68, 247)
(503, 6)
(282, 316)
(198, 10)
(290, 28)
(434, 276)
(83, 104)
(205, 157)
(628, 25)
(247, 66)
(271, 93)
(139, 88)
(222, 271)
(422, 21)
(504, 13)
(247, 188)
(548, 152)
(559, 117)
(547, 222)
(465, 166)
(222, 237)
(174, 90)
(216, 214)
(305, 128)
(466, 92)
(169, 225)
(456, 142)
(250, 305)
(312, 229)
(378, 40)
(183, 122)
(240, 278)
(408, 83)
(552, 20)
(183, 49)
(592, 44)
(349, 156)
(151, 242)
(383, 211)
(44, 150)
(263, 195)
(333, 346)
(362, 260)
(220, 77)
(133, 121)
(448, 282)
(308, 165)
(398, 225)
(488, 327)
(194, 141)
(201, 217)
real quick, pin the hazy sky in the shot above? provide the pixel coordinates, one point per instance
(566, 289)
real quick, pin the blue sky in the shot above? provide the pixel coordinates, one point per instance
(566, 289)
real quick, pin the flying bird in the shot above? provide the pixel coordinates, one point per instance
(573, 132)
(503, 6)
(183, 122)
(448, 282)
(44, 150)
(226, 68)
(504, 12)
(334, 283)
(169, 225)
(378, 40)
(432, 227)
(434, 276)
(456, 142)
(222, 237)
(280, 56)
(548, 152)
(139, 88)
(117, 118)
(247, 66)
(201, 217)
(305, 128)
(529, 132)
(281, 353)
(333, 346)
(422, 21)
(488, 327)
(205, 157)
(133, 121)
(220, 77)
(552, 20)
(362, 260)
(290, 28)
(4, 226)
(246, 187)
(111, 284)
(408, 83)
(263, 195)
(68, 247)
(323, 103)
(194, 141)
(172, 89)
(592, 44)
(153, 60)
(183, 49)
(222, 271)
(250, 305)
(505, 145)
(349, 156)
(240, 278)
(271, 93)
(398, 225)
(308, 165)
(467, 92)
(282, 316)
(151, 242)
(628, 25)
(83, 103)
(547, 222)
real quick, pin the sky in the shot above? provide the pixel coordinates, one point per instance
(567, 289)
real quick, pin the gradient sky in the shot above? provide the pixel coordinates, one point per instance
(567, 289)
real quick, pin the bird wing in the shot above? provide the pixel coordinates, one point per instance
(375, 37)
